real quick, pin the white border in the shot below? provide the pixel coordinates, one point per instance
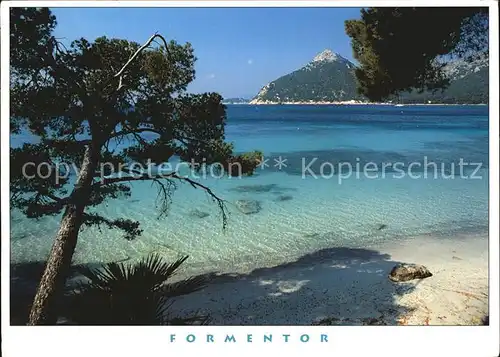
(387, 341)
(252, 3)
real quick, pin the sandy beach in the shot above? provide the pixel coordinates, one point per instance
(343, 286)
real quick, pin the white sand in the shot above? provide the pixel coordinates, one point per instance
(350, 286)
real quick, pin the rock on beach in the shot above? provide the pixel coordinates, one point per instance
(406, 272)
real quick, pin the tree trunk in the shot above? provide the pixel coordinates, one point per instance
(50, 289)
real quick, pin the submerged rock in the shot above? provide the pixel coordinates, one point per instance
(406, 272)
(282, 198)
(255, 188)
(198, 214)
(262, 188)
(248, 206)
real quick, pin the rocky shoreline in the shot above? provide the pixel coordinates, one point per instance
(353, 102)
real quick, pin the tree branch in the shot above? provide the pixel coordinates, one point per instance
(129, 227)
(57, 199)
(142, 48)
(173, 175)
(134, 131)
(144, 177)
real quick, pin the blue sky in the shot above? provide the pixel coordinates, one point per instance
(239, 50)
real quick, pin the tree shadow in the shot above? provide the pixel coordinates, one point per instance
(345, 286)
(24, 280)
(334, 286)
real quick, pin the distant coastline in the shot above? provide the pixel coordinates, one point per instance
(351, 103)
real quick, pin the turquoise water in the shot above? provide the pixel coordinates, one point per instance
(302, 213)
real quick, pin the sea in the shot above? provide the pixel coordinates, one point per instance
(332, 176)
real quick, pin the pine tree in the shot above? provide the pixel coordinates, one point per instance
(84, 101)
(405, 48)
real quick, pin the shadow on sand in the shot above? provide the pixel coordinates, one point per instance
(24, 279)
(343, 286)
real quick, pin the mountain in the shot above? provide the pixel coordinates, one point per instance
(469, 84)
(329, 77)
(235, 101)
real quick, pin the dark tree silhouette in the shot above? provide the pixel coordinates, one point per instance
(405, 48)
(81, 102)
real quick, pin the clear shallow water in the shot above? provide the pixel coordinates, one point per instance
(300, 214)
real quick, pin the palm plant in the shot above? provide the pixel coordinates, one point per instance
(131, 294)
